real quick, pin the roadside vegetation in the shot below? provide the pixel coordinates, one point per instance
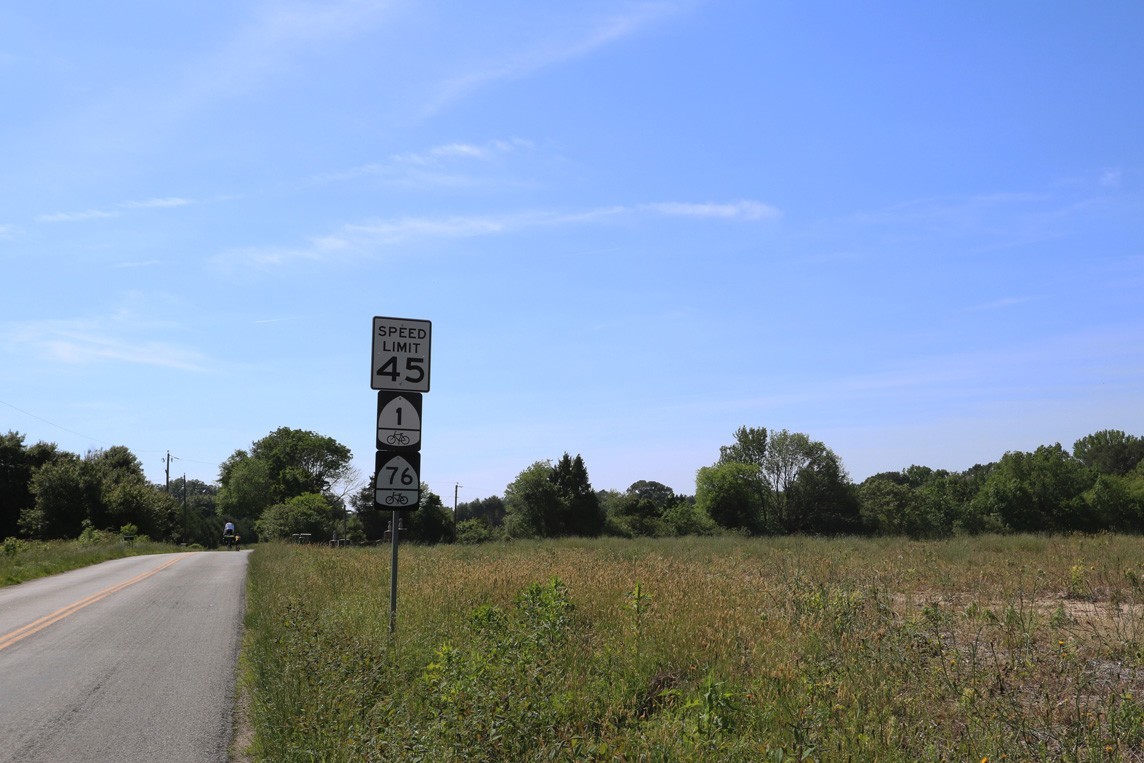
(763, 483)
(22, 560)
(1015, 647)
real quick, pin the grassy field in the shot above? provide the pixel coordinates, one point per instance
(998, 648)
(22, 560)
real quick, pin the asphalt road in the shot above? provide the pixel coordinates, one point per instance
(130, 660)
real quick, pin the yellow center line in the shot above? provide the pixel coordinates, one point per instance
(9, 639)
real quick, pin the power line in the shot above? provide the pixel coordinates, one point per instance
(57, 426)
(95, 439)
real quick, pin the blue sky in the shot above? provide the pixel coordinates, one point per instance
(913, 231)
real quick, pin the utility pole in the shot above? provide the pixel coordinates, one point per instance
(456, 486)
(186, 525)
(167, 471)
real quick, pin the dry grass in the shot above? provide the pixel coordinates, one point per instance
(1019, 648)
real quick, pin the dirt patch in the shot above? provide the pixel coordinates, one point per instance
(242, 734)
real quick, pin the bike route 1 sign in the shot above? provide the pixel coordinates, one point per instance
(399, 421)
(397, 481)
(401, 354)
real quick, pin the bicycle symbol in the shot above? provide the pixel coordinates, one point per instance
(398, 438)
(398, 498)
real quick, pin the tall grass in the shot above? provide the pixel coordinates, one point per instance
(22, 560)
(1014, 648)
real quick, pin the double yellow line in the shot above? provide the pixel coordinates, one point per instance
(19, 634)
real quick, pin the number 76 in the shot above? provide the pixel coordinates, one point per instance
(407, 477)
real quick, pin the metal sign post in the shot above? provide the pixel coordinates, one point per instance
(400, 372)
(393, 522)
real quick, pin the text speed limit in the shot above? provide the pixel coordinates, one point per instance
(401, 354)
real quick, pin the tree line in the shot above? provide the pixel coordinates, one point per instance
(49, 493)
(762, 483)
(780, 483)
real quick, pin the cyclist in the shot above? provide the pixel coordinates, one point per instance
(228, 536)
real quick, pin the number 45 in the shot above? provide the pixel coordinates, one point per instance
(414, 370)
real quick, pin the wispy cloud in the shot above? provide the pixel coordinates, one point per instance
(981, 223)
(266, 46)
(739, 210)
(152, 203)
(548, 52)
(443, 165)
(137, 264)
(126, 335)
(82, 348)
(362, 239)
(103, 214)
(1110, 178)
(7, 232)
(485, 151)
(1000, 304)
(71, 217)
(73, 343)
(946, 211)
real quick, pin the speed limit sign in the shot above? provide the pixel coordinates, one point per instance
(397, 481)
(401, 354)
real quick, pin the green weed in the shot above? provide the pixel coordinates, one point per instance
(783, 649)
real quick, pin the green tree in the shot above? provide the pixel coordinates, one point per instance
(786, 455)
(134, 502)
(300, 461)
(104, 490)
(633, 516)
(660, 495)
(888, 507)
(117, 465)
(640, 509)
(123, 491)
(284, 464)
(1109, 451)
(729, 494)
(432, 522)
(821, 499)
(531, 503)
(17, 465)
(578, 511)
(246, 489)
(547, 500)
(196, 519)
(685, 518)
(750, 448)
(374, 522)
(958, 497)
(1118, 502)
(67, 493)
(800, 483)
(307, 513)
(1036, 492)
(490, 509)
(473, 531)
(945, 499)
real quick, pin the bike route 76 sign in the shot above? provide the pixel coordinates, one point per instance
(397, 481)
(401, 354)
